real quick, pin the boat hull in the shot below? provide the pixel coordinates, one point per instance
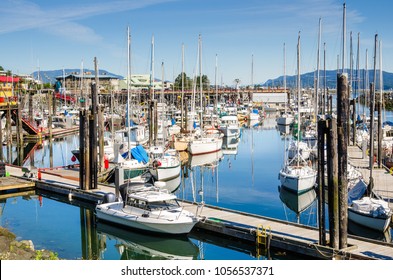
(297, 184)
(117, 214)
(205, 146)
(165, 173)
(376, 223)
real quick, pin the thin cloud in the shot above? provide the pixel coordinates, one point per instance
(21, 15)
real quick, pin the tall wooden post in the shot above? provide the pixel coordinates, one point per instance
(101, 138)
(353, 102)
(186, 115)
(155, 121)
(380, 136)
(82, 149)
(371, 149)
(342, 151)
(151, 123)
(332, 169)
(93, 138)
(322, 126)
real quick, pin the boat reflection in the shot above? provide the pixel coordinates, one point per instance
(206, 159)
(359, 230)
(133, 245)
(298, 203)
(284, 129)
(230, 144)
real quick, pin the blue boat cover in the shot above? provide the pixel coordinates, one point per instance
(140, 154)
(388, 123)
(357, 191)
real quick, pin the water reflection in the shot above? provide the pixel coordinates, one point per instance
(133, 245)
(298, 203)
(356, 229)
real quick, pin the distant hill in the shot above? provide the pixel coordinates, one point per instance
(307, 79)
(49, 76)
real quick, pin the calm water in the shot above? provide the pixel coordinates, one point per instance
(244, 180)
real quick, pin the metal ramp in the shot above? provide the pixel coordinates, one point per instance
(27, 126)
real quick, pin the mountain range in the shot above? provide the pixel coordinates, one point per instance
(307, 79)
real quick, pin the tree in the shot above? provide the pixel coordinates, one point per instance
(1, 68)
(187, 82)
(205, 82)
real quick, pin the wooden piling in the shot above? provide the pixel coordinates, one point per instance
(371, 142)
(82, 149)
(342, 142)
(93, 139)
(380, 135)
(332, 168)
(321, 182)
(353, 103)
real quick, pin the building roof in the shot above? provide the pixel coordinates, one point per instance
(8, 79)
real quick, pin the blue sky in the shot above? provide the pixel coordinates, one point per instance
(51, 35)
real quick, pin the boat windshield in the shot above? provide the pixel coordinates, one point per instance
(154, 206)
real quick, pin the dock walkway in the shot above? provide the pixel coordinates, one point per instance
(228, 223)
(383, 179)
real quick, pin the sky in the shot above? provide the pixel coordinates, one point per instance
(241, 40)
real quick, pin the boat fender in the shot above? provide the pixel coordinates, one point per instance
(391, 170)
(109, 197)
(156, 163)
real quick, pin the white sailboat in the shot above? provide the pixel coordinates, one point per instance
(370, 212)
(297, 175)
(165, 165)
(207, 142)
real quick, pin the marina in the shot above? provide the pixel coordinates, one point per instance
(261, 229)
(96, 166)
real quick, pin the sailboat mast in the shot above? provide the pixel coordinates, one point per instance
(152, 68)
(298, 95)
(182, 86)
(318, 66)
(128, 89)
(366, 83)
(200, 80)
(344, 36)
(285, 82)
(215, 83)
(357, 72)
(252, 77)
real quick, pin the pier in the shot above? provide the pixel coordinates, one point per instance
(263, 232)
(383, 178)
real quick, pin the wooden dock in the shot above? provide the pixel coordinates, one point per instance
(383, 179)
(229, 223)
(14, 183)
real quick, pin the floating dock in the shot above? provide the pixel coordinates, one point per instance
(382, 177)
(264, 232)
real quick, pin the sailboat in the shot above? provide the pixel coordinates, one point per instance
(285, 118)
(165, 164)
(206, 142)
(297, 175)
(371, 210)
